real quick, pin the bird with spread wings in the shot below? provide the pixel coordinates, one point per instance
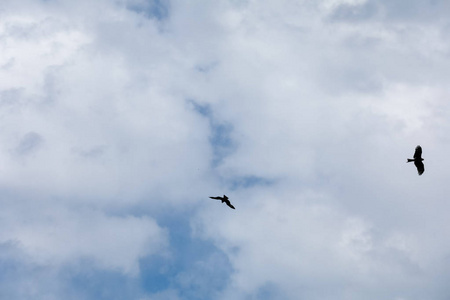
(224, 199)
(418, 160)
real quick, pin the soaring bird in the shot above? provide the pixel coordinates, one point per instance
(224, 199)
(418, 160)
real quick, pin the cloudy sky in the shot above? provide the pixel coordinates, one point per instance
(119, 118)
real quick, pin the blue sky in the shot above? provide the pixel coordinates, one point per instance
(120, 118)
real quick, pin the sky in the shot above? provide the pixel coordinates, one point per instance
(120, 118)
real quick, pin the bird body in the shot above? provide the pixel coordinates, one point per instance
(417, 160)
(224, 199)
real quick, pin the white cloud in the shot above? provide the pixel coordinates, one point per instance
(322, 101)
(306, 246)
(57, 235)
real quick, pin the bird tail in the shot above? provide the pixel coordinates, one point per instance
(409, 160)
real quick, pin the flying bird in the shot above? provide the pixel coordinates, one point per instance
(418, 160)
(224, 199)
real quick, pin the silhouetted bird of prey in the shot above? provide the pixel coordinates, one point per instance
(418, 160)
(224, 199)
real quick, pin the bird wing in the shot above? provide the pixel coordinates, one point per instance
(229, 204)
(217, 198)
(420, 167)
(418, 152)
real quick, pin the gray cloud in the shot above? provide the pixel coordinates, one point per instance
(29, 143)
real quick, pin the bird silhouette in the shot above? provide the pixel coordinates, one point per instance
(418, 160)
(224, 199)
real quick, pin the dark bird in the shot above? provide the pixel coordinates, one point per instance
(418, 160)
(224, 199)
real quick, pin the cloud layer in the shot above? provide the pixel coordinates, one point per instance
(120, 118)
